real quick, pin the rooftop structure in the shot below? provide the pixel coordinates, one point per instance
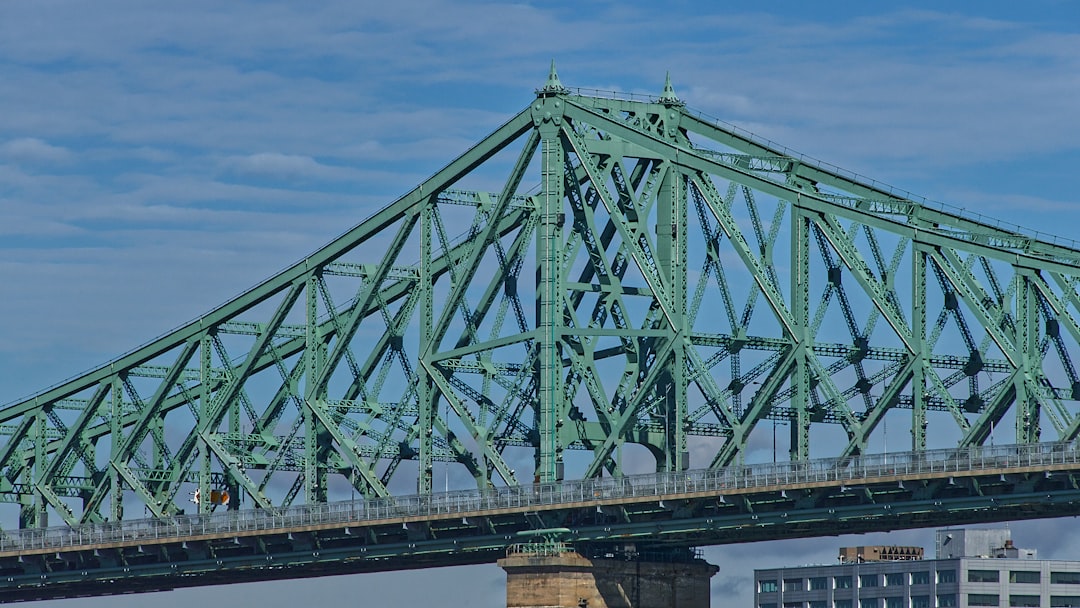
(978, 543)
(880, 553)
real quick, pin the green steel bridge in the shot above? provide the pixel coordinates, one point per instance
(688, 289)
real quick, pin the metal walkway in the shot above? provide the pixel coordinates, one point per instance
(689, 508)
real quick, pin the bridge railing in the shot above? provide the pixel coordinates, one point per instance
(434, 506)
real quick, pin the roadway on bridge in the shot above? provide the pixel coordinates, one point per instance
(660, 511)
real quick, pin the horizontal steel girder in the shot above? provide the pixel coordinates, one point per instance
(693, 508)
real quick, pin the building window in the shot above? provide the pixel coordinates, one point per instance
(869, 602)
(1024, 601)
(894, 579)
(946, 576)
(920, 601)
(946, 600)
(894, 602)
(1065, 601)
(1024, 576)
(984, 599)
(1065, 578)
(793, 605)
(868, 580)
(841, 603)
(768, 605)
(817, 604)
(794, 584)
(819, 582)
(983, 576)
(842, 582)
(766, 587)
(920, 578)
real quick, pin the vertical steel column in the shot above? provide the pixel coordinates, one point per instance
(40, 514)
(547, 115)
(426, 393)
(116, 435)
(157, 429)
(919, 261)
(206, 398)
(1027, 403)
(799, 448)
(671, 259)
(234, 430)
(314, 396)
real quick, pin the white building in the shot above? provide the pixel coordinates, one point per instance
(978, 568)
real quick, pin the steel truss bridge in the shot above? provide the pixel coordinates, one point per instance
(636, 299)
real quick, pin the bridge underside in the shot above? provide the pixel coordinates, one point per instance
(609, 521)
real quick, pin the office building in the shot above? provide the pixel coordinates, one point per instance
(976, 568)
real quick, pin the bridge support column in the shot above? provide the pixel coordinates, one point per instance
(569, 580)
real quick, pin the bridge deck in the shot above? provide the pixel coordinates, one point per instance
(688, 485)
(693, 508)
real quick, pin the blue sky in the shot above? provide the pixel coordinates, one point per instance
(157, 159)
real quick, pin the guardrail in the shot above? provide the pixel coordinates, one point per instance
(544, 549)
(524, 498)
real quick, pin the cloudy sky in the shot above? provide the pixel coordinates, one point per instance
(159, 158)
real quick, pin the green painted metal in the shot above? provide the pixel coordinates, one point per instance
(647, 289)
(636, 517)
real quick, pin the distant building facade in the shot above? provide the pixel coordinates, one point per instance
(974, 568)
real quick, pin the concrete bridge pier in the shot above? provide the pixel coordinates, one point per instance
(566, 579)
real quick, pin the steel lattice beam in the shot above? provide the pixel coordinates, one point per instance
(643, 280)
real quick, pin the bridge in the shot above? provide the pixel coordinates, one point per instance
(669, 511)
(693, 288)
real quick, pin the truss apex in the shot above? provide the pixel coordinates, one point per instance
(668, 97)
(552, 86)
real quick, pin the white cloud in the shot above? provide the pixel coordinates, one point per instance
(32, 150)
(275, 165)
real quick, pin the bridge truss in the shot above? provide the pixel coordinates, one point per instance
(645, 517)
(601, 286)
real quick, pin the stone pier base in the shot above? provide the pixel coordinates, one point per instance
(568, 580)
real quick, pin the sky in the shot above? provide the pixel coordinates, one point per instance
(157, 159)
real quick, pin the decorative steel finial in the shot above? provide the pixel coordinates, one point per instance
(553, 86)
(669, 98)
